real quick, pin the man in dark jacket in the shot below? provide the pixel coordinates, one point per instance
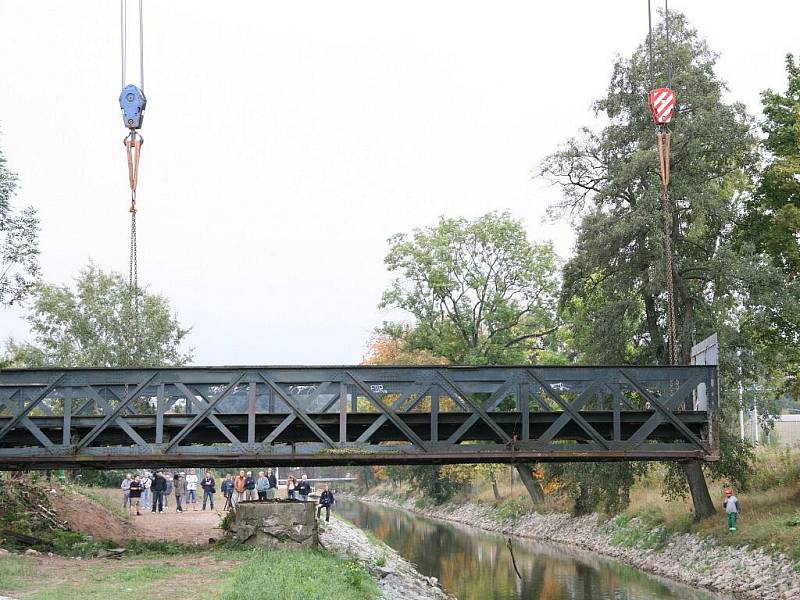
(209, 489)
(273, 485)
(326, 500)
(250, 487)
(135, 492)
(304, 488)
(227, 491)
(158, 488)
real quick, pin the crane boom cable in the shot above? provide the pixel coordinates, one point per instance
(663, 144)
(132, 102)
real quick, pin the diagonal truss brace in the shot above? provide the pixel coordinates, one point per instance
(290, 418)
(475, 408)
(123, 424)
(568, 409)
(97, 429)
(665, 408)
(298, 410)
(200, 399)
(30, 406)
(390, 414)
(209, 409)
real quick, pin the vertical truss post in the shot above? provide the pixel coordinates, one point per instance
(523, 389)
(342, 412)
(435, 414)
(67, 429)
(251, 413)
(160, 414)
(353, 399)
(615, 403)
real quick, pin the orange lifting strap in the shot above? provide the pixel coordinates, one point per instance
(133, 146)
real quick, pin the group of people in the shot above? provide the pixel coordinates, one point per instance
(245, 487)
(154, 490)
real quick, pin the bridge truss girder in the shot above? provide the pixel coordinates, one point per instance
(355, 415)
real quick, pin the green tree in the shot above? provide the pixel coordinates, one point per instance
(86, 326)
(770, 229)
(19, 242)
(611, 186)
(479, 291)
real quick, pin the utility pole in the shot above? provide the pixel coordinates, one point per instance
(741, 396)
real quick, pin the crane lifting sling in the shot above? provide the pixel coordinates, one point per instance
(662, 103)
(133, 102)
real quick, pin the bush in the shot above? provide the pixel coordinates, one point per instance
(513, 509)
(424, 502)
(646, 530)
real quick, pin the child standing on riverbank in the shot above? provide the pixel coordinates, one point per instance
(731, 505)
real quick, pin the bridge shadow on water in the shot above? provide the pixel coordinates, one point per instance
(476, 565)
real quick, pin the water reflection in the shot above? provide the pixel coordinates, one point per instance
(476, 565)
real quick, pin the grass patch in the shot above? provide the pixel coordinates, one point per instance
(646, 531)
(106, 501)
(120, 583)
(12, 569)
(513, 508)
(424, 503)
(300, 575)
(159, 548)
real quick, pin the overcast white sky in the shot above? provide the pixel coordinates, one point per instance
(285, 141)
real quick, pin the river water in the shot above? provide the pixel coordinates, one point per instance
(474, 564)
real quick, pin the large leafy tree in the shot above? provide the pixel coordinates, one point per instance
(88, 325)
(479, 292)
(615, 283)
(770, 229)
(19, 242)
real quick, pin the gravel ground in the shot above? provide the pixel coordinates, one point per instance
(397, 578)
(742, 571)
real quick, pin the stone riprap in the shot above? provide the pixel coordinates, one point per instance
(741, 571)
(397, 578)
(276, 524)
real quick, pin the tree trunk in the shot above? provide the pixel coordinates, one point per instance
(496, 492)
(703, 505)
(534, 487)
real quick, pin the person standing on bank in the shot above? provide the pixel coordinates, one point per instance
(169, 478)
(291, 487)
(304, 488)
(731, 505)
(250, 487)
(209, 489)
(326, 500)
(147, 481)
(125, 487)
(238, 488)
(135, 495)
(227, 491)
(273, 485)
(180, 491)
(191, 490)
(157, 489)
(262, 483)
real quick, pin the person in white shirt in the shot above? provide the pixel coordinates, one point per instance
(191, 490)
(147, 481)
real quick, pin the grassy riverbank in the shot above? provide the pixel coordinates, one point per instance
(770, 517)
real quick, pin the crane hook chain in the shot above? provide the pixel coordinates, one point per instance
(133, 146)
(664, 139)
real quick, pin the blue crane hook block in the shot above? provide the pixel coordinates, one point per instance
(132, 102)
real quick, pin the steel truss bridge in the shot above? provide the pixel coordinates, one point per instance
(341, 415)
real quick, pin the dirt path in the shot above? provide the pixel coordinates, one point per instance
(192, 527)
